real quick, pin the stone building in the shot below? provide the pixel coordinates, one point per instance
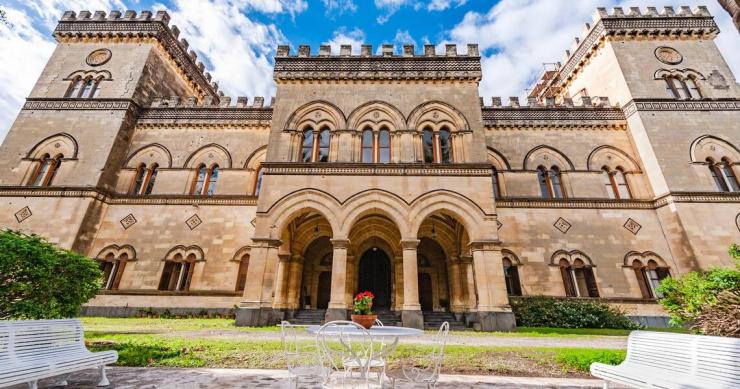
(382, 171)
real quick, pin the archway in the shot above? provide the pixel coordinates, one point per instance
(375, 276)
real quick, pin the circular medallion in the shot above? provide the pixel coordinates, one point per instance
(668, 55)
(98, 57)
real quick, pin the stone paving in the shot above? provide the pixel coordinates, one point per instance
(149, 378)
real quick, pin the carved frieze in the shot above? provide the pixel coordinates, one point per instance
(680, 105)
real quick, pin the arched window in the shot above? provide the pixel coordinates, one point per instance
(384, 146)
(324, 138)
(445, 146)
(205, 180)
(241, 277)
(367, 146)
(46, 170)
(578, 279)
(550, 182)
(649, 277)
(88, 89)
(511, 275)
(144, 180)
(307, 148)
(75, 88)
(615, 183)
(723, 175)
(112, 269)
(427, 140)
(177, 273)
(694, 90)
(496, 184)
(679, 88)
(258, 181)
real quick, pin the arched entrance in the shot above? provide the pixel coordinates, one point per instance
(375, 275)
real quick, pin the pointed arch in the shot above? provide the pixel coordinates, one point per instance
(60, 143)
(185, 252)
(467, 212)
(316, 114)
(547, 156)
(513, 257)
(149, 154)
(498, 160)
(372, 201)
(643, 257)
(570, 256)
(285, 209)
(117, 252)
(710, 146)
(684, 73)
(612, 157)
(219, 155)
(256, 158)
(240, 253)
(376, 114)
(435, 115)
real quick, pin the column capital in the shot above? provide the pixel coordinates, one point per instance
(454, 259)
(284, 257)
(296, 257)
(266, 242)
(485, 245)
(409, 244)
(340, 243)
(467, 259)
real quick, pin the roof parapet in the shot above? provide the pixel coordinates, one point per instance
(145, 24)
(650, 12)
(386, 50)
(551, 102)
(242, 102)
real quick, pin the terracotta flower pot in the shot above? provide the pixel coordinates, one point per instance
(366, 321)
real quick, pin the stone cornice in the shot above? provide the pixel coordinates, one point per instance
(553, 117)
(61, 104)
(636, 105)
(580, 203)
(377, 68)
(368, 169)
(123, 199)
(98, 26)
(206, 116)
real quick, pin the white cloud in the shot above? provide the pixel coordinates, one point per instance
(389, 7)
(403, 38)
(277, 6)
(441, 5)
(339, 7)
(518, 46)
(355, 38)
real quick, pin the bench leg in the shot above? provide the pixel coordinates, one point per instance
(61, 383)
(606, 385)
(33, 385)
(103, 378)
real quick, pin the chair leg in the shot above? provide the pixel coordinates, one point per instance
(103, 377)
(33, 385)
(606, 385)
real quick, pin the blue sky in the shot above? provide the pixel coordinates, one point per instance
(236, 39)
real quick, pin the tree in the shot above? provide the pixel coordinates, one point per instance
(39, 280)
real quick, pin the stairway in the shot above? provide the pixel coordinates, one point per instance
(309, 317)
(389, 318)
(432, 321)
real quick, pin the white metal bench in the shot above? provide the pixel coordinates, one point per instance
(667, 360)
(36, 349)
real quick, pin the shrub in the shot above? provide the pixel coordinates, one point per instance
(41, 280)
(568, 313)
(581, 360)
(722, 318)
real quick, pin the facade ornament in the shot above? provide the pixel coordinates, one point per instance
(668, 55)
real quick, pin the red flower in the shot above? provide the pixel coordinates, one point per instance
(369, 294)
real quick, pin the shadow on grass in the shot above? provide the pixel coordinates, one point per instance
(138, 354)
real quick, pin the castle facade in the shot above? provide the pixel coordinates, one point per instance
(381, 171)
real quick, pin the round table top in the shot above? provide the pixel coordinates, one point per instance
(390, 331)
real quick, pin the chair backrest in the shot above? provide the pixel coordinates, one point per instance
(710, 358)
(378, 323)
(36, 339)
(297, 354)
(438, 352)
(341, 341)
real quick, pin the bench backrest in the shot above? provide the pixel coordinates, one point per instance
(38, 339)
(706, 357)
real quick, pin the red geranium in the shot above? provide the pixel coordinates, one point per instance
(363, 303)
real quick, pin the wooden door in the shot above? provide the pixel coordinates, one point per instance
(426, 298)
(324, 293)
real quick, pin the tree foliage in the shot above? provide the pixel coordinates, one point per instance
(39, 280)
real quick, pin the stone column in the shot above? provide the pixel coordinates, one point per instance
(453, 277)
(494, 311)
(294, 282)
(256, 306)
(470, 300)
(337, 302)
(281, 282)
(411, 315)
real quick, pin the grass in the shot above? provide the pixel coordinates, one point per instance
(175, 351)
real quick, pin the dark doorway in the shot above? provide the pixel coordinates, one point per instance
(324, 293)
(375, 276)
(426, 298)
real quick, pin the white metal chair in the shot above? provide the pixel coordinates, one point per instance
(377, 362)
(346, 347)
(303, 362)
(427, 370)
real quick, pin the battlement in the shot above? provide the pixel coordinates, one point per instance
(99, 25)
(385, 65)
(210, 102)
(651, 12)
(549, 102)
(588, 112)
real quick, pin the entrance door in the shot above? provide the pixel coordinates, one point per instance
(324, 293)
(426, 298)
(375, 276)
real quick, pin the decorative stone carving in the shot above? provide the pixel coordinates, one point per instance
(499, 224)
(23, 214)
(128, 221)
(717, 80)
(632, 226)
(193, 221)
(737, 221)
(98, 57)
(668, 55)
(562, 225)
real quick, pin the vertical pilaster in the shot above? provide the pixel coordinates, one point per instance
(468, 284)
(494, 311)
(337, 301)
(453, 274)
(281, 282)
(256, 306)
(411, 314)
(295, 274)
